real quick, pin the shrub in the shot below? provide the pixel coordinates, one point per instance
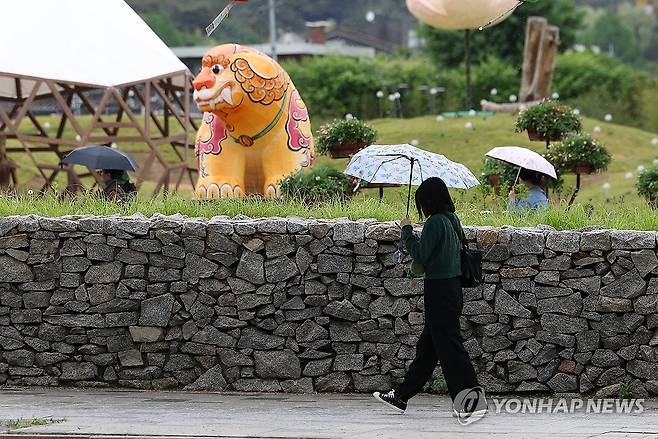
(647, 184)
(577, 150)
(344, 131)
(318, 185)
(599, 84)
(550, 119)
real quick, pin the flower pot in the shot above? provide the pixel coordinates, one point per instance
(494, 182)
(583, 168)
(346, 149)
(535, 136)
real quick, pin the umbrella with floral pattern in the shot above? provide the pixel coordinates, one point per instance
(406, 164)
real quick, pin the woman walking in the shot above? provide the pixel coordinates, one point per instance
(438, 251)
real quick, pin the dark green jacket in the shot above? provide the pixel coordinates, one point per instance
(438, 249)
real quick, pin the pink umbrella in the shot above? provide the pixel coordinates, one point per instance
(524, 158)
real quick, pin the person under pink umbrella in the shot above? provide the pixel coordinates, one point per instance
(536, 198)
(532, 168)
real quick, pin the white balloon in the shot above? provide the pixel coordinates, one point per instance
(472, 113)
(439, 118)
(597, 129)
(370, 16)
(654, 141)
(349, 116)
(628, 175)
(606, 186)
(461, 14)
(608, 117)
(468, 125)
(513, 98)
(380, 94)
(494, 91)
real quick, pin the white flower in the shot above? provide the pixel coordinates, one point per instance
(468, 125)
(608, 117)
(349, 116)
(486, 212)
(606, 186)
(317, 178)
(483, 102)
(513, 98)
(597, 129)
(640, 168)
(380, 94)
(576, 112)
(472, 113)
(555, 95)
(439, 118)
(654, 141)
(655, 161)
(494, 91)
(628, 175)
(414, 142)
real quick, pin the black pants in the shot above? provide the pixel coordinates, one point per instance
(441, 342)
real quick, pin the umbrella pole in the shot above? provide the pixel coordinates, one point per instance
(411, 174)
(516, 180)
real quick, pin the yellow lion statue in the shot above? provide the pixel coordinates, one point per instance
(255, 130)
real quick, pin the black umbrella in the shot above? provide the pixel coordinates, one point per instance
(100, 157)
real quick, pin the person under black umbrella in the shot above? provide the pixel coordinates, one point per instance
(117, 185)
(111, 166)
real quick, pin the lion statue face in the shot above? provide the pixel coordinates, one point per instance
(230, 74)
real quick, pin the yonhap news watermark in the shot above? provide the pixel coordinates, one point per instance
(564, 405)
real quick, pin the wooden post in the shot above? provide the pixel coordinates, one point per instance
(539, 55)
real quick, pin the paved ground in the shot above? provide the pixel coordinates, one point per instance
(96, 413)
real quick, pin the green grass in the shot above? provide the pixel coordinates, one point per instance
(16, 424)
(630, 147)
(485, 211)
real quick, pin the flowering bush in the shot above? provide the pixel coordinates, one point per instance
(320, 184)
(577, 151)
(344, 131)
(647, 184)
(550, 120)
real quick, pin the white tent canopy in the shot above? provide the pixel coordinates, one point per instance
(96, 43)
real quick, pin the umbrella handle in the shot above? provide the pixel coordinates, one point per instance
(411, 174)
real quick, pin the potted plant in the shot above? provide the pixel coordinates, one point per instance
(498, 174)
(318, 185)
(579, 154)
(344, 138)
(548, 121)
(647, 185)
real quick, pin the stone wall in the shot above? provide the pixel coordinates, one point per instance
(302, 305)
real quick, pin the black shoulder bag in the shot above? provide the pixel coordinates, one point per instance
(471, 261)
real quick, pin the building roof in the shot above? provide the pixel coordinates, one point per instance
(291, 49)
(96, 43)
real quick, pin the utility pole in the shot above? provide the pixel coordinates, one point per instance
(273, 28)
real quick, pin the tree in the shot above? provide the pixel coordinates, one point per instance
(505, 40)
(611, 34)
(166, 30)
